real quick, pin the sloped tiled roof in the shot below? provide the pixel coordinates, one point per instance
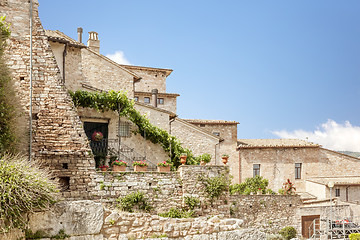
(273, 143)
(58, 36)
(133, 67)
(203, 121)
(346, 180)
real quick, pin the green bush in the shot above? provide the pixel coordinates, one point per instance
(192, 202)
(288, 232)
(136, 199)
(251, 185)
(9, 111)
(177, 213)
(354, 236)
(215, 186)
(24, 187)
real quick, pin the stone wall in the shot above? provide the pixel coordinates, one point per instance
(198, 141)
(278, 164)
(150, 79)
(102, 73)
(58, 135)
(170, 103)
(267, 212)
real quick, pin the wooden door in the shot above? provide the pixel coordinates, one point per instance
(306, 222)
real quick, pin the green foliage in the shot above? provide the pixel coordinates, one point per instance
(131, 200)
(354, 236)
(118, 101)
(288, 232)
(154, 235)
(289, 188)
(177, 213)
(24, 187)
(192, 202)
(215, 186)
(206, 158)
(41, 234)
(8, 103)
(251, 185)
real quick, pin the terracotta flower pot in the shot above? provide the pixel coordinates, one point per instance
(183, 159)
(140, 169)
(163, 169)
(104, 169)
(225, 160)
(117, 168)
(202, 163)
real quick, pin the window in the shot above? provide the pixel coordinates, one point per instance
(337, 192)
(160, 101)
(256, 170)
(124, 129)
(202, 125)
(216, 134)
(136, 99)
(297, 170)
(146, 100)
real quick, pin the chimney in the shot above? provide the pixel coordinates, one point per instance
(94, 42)
(154, 98)
(79, 31)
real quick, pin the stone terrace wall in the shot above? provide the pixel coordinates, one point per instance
(271, 212)
(59, 140)
(163, 190)
(193, 186)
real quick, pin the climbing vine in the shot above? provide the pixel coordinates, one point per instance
(118, 101)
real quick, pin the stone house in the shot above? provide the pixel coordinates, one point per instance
(309, 166)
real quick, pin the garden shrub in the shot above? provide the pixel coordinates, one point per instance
(251, 185)
(177, 213)
(215, 186)
(135, 199)
(192, 202)
(288, 232)
(24, 187)
(354, 236)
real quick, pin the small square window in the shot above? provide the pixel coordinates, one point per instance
(146, 100)
(160, 101)
(202, 125)
(337, 192)
(216, 134)
(256, 170)
(136, 99)
(124, 129)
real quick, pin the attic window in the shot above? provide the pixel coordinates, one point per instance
(146, 100)
(202, 125)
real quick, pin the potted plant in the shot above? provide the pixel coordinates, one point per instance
(225, 158)
(204, 159)
(104, 168)
(97, 136)
(164, 166)
(183, 157)
(140, 166)
(119, 166)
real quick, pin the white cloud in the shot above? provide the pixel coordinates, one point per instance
(119, 57)
(332, 135)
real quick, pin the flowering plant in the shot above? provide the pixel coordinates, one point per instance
(164, 164)
(119, 163)
(104, 166)
(97, 136)
(183, 155)
(140, 163)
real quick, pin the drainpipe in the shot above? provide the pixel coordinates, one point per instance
(64, 56)
(31, 78)
(170, 121)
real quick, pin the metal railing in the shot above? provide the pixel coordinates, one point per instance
(110, 147)
(338, 228)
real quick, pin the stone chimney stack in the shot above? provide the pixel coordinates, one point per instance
(79, 31)
(94, 42)
(154, 98)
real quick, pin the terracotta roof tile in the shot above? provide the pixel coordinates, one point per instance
(270, 143)
(60, 36)
(204, 121)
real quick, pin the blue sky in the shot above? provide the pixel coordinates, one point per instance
(280, 68)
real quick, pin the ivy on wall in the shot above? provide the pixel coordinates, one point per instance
(118, 101)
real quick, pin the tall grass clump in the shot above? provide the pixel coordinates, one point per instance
(24, 187)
